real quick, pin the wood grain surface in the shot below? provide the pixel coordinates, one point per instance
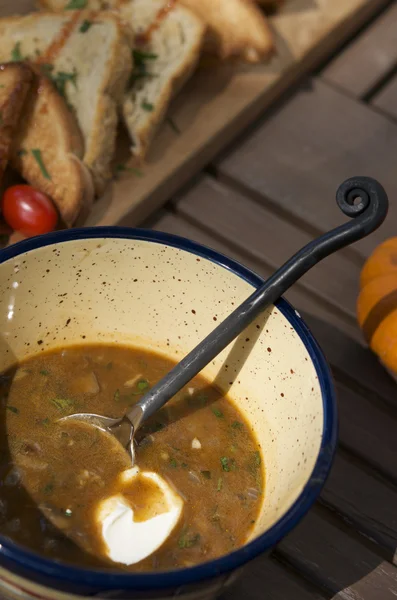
(219, 102)
(368, 59)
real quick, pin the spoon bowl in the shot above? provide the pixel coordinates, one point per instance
(121, 428)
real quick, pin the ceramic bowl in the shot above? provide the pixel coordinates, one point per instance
(167, 293)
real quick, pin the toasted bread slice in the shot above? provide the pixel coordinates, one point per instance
(237, 28)
(88, 56)
(15, 81)
(163, 63)
(48, 148)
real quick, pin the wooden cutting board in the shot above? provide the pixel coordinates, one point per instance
(219, 102)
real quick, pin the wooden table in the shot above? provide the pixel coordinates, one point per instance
(267, 196)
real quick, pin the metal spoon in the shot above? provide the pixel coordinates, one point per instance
(361, 198)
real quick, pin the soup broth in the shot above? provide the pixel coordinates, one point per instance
(199, 443)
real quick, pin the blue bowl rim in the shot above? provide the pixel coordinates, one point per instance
(107, 580)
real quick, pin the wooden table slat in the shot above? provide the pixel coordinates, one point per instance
(250, 226)
(367, 59)
(386, 99)
(354, 365)
(364, 501)
(280, 583)
(300, 154)
(337, 561)
(368, 431)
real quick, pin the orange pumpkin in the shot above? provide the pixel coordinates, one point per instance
(377, 302)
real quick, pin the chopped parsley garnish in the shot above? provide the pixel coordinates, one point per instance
(39, 159)
(140, 64)
(85, 26)
(188, 540)
(143, 384)
(76, 5)
(44, 372)
(61, 78)
(140, 56)
(12, 409)
(147, 106)
(62, 403)
(116, 395)
(237, 425)
(184, 465)
(45, 422)
(206, 474)
(220, 484)
(68, 512)
(228, 464)
(218, 413)
(225, 463)
(173, 463)
(16, 52)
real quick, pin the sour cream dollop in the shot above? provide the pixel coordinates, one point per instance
(129, 538)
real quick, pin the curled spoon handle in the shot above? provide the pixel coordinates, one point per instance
(361, 198)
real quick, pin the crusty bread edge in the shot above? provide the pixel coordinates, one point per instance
(246, 48)
(14, 106)
(23, 163)
(88, 195)
(142, 139)
(68, 119)
(102, 142)
(99, 154)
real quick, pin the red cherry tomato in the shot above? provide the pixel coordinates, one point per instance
(29, 211)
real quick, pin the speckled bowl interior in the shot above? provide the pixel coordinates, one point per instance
(165, 298)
